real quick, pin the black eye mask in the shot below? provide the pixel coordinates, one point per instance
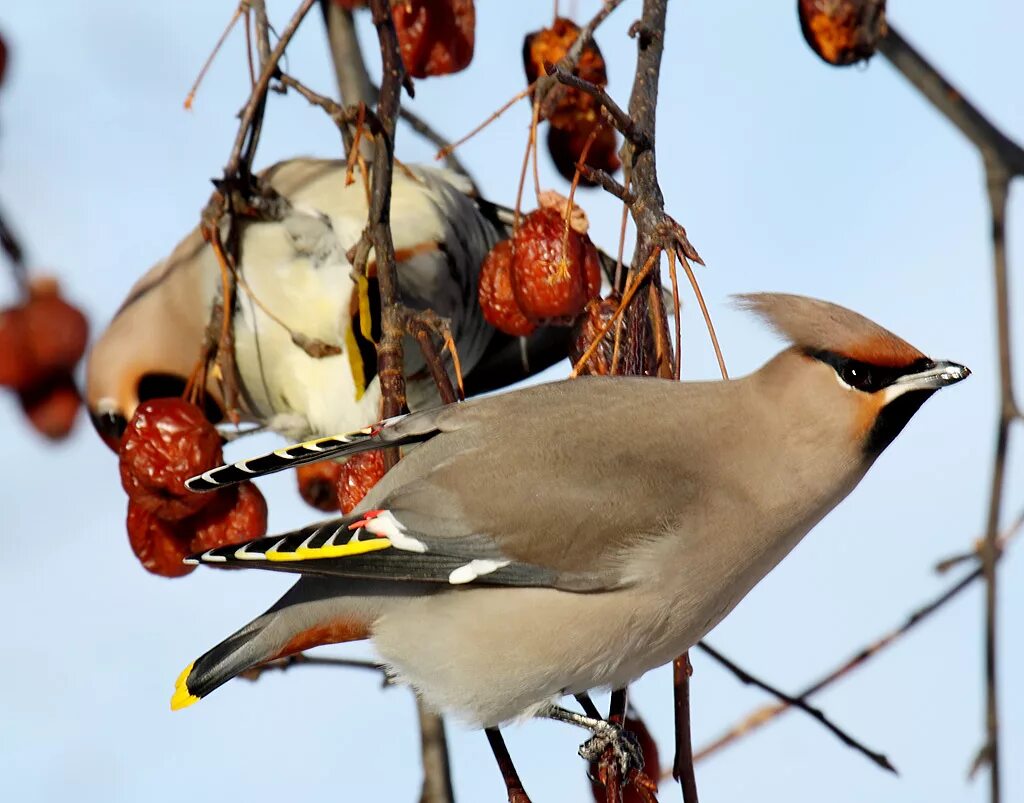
(864, 376)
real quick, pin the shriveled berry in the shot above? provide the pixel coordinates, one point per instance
(843, 32)
(51, 405)
(238, 515)
(598, 314)
(548, 268)
(497, 301)
(57, 331)
(18, 367)
(358, 475)
(546, 47)
(318, 484)
(435, 37)
(566, 147)
(159, 545)
(168, 441)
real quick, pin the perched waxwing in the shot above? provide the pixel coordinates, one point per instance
(295, 278)
(574, 535)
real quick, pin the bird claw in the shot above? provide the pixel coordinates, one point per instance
(623, 744)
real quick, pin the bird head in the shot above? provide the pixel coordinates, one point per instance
(855, 372)
(151, 347)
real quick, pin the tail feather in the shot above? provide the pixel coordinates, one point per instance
(312, 613)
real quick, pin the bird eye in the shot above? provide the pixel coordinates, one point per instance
(857, 375)
(110, 426)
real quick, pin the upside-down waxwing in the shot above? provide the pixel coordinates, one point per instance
(295, 272)
(574, 535)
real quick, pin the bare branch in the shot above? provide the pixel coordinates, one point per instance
(619, 118)
(797, 702)
(766, 714)
(11, 247)
(682, 766)
(347, 56)
(992, 142)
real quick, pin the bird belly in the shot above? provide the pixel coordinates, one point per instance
(505, 652)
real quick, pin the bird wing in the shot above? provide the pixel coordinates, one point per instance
(556, 485)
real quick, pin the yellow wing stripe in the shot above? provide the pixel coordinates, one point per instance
(332, 551)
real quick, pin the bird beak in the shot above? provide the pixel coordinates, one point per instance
(934, 376)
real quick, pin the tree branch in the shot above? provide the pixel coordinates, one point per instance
(951, 102)
(762, 716)
(797, 702)
(15, 254)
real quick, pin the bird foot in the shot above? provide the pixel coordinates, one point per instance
(623, 744)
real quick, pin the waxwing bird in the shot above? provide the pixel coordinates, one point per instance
(574, 535)
(295, 278)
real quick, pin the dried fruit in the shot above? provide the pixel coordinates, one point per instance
(599, 313)
(56, 330)
(17, 366)
(167, 441)
(566, 147)
(358, 475)
(238, 515)
(435, 37)
(318, 484)
(549, 270)
(51, 405)
(843, 32)
(159, 545)
(497, 301)
(548, 46)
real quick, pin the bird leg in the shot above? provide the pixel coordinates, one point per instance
(605, 735)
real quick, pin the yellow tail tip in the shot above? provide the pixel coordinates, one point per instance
(182, 697)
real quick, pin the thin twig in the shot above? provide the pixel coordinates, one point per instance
(682, 766)
(796, 702)
(16, 255)
(619, 118)
(513, 784)
(762, 716)
(951, 102)
(259, 91)
(437, 785)
(191, 96)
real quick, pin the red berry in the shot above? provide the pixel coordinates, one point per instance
(435, 37)
(237, 516)
(843, 32)
(497, 302)
(159, 545)
(51, 406)
(545, 47)
(550, 278)
(18, 368)
(358, 475)
(318, 484)
(167, 441)
(57, 331)
(566, 146)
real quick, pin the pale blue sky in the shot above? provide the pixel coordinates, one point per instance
(788, 175)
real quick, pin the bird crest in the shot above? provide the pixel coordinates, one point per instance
(818, 326)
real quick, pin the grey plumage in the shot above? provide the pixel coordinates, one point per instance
(574, 535)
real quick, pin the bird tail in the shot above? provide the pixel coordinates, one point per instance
(311, 614)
